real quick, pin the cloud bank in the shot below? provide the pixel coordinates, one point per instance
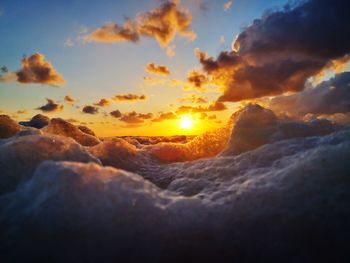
(280, 51)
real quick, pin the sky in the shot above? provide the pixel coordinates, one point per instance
(144, 79)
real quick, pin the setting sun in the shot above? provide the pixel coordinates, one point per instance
(186, 122)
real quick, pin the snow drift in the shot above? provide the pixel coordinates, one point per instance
(262, 188)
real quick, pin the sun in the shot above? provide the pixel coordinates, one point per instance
(186, 122)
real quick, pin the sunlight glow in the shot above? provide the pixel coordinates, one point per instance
(186, 122)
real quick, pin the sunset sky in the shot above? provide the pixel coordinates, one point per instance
(131, 82)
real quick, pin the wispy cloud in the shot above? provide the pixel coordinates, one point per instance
(129, 97)
(227, 6)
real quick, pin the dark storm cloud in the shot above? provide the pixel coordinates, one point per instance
(280, 51)
(51, 106)
(90, 109)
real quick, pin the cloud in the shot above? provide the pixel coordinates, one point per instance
(68, 43)
(22, 112)
(193, 98)
(215, 106)
(280, 51)
(116, 114)
(111, 33)
(35, 69)
(4, 69)
(102, 103)
(51, 106)
(129, 97)
(222, 40)
(157, 69)
(135, 118)
(165, 116)
(90, 109)
(5, 75)
(212, 117)
(162, 24)
(170, 51)
(69, 99)
(227, 6)
(197, 79)
(329, 97)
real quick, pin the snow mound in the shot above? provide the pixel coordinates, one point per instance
(255, 126)
(61, 127)
(8, 127)
(20, 155)
(38, 121)
(284, 197)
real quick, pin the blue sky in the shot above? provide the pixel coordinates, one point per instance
(94, 70)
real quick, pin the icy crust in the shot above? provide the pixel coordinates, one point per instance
(19, 155)
(286, 198)
(61, 127)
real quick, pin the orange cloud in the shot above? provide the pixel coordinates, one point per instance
(165, 116)
(36, 70)
(22, 112)
(69, 99)
(197, 79)
(111, 33)
(157, 69)
(170, 51)
(162, 24)
(215, 106)
(102, 103)
(129, 97)
(227, 6)
(51, 106)
(193, 98)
